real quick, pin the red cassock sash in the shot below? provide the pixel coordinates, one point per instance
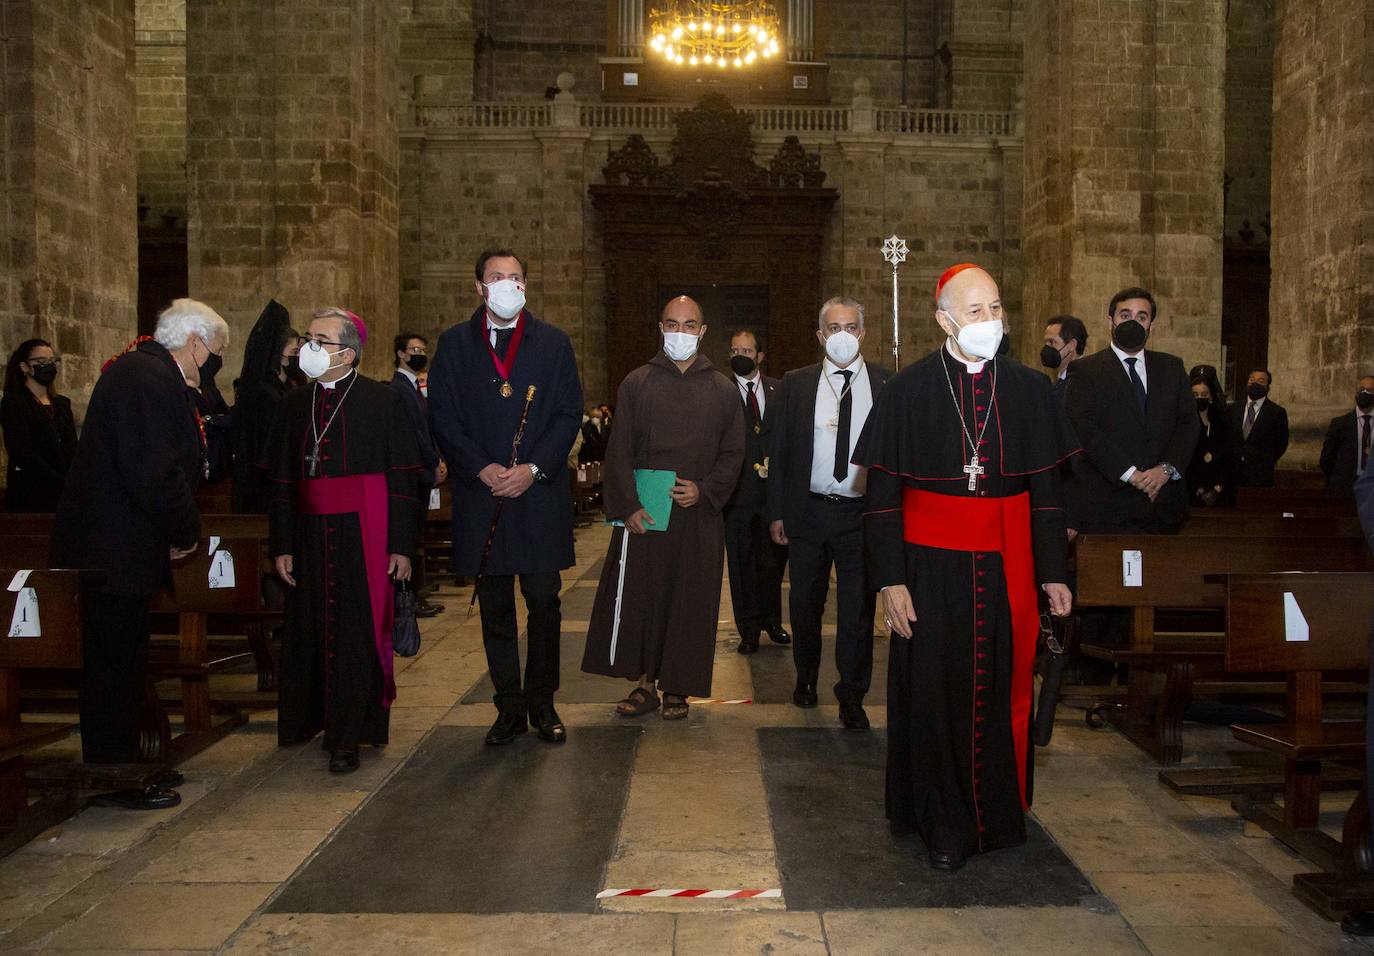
(365, 495)
(990, 524)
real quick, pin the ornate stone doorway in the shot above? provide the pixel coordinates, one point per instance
(712, 218)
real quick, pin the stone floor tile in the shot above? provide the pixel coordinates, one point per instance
(783, 934)
(1051, 931)
(680, 811)
(239, 751)
(649, 934)
(1185, 899)
(443, 695)
(101, 830)
(700, 747)
(234, 856)
(1140, 849)
(285, 808)
(1057, 930)
(1079, 804)
(1228, 941)
(164, 916)
(30, 881)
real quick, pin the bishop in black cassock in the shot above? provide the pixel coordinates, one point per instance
(963, 516)
(344, 467)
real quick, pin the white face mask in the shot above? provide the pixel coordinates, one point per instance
(842, 347)
(981, 339)
(680, 346)
(315, 361)
(505, 299)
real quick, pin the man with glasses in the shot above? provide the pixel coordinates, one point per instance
(343, 525)
(412, 355)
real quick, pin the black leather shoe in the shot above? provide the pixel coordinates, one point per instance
(1358, 923)
(779, 635)
(547, 724)
(748, 645)
(169, 779)
(343, 761)
(946, 861)
(853, 716)
(805, 696)
(426, 609)
(151, 798)
(506, 729)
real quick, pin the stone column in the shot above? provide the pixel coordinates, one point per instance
(864, 224)
(984, 48)
(292, 156)
(1123, 159)
(69, 209)
(1321, 301)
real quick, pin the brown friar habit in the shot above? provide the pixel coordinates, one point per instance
(690, 423)
(334, 676)
(958, 754)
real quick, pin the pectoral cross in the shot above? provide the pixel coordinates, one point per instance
(973, 470)
(314, 461)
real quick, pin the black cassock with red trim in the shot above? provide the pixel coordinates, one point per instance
(969, 519)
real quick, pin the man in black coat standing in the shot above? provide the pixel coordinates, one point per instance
(816, 505)
(412, 355)
(128, 509)
(754, 561)
(477, 389)
(1345, 450)
(1263, 427)
(1134, 412)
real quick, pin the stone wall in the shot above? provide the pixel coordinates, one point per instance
(1321, 306)
(521, 48)
(879, 45)
(1249, 108)
(1124, 150)
(70, 270)
(984, 47)
(160, 38)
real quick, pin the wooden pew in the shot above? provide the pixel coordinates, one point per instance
(1174, 575)
(1247, 524)
(1293, 479)
(1337, 609)
(1298, 502)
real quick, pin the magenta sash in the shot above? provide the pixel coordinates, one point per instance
(365, 495)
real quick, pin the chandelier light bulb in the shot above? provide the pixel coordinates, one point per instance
(692, 61)
(677, 33)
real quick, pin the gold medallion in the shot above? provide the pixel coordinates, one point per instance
(506, 390)
(1207, 456)
(758, 429)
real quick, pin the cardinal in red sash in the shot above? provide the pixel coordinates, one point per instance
(964, 534)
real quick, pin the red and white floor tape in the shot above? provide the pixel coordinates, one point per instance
(696, 894)
(720, 700)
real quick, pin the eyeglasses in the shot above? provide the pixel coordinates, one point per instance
(416, 350)
(310, 341)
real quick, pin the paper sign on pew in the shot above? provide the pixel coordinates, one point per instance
(221, 569)
(1294, 621)
(434, 499)
(1132, 569)
(24, 622)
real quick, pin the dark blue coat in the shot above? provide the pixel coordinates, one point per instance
(474, 426)
(418, 413)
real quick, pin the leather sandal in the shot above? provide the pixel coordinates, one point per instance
(674, 707)
(638, 703)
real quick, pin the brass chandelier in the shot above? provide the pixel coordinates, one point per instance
(727, 35)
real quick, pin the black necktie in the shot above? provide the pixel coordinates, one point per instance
(1136, 383)
(753, 403)
(1364, 441)
(842, 433)
(503, 341)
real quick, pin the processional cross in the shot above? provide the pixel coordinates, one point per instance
(894, 251)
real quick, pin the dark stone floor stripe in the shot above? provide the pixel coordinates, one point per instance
(575, 686)
(463, 828)
(775, 676)
(825, 796)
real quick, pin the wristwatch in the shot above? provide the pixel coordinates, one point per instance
(1170, 470)
(534, 470)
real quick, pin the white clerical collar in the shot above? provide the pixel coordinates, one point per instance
(414, 379)
(973, 367)
(1123, 356)
(744, 381)
(338, 381)
(855, 366)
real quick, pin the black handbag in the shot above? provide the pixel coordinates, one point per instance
(405, 631)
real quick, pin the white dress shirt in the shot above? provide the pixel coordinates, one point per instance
(414, 379)
(1256, 404)
(823, 432)
(743, 384)
(492, 328)
(1139, 370)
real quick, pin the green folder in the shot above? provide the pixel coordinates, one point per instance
(653, 488)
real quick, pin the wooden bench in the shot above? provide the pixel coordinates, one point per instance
(1297, 502)
(1245, 524)
(1337, 609)
(1174, 576)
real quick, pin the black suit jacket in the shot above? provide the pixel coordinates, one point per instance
(40, 443)
(750, 494)
(1116, 435)
(1340, 459)
(417, 410)
(593, 443)
(1260, 453)
(790, 446)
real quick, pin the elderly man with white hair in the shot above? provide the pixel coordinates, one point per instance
(963, 531)
(128, 510)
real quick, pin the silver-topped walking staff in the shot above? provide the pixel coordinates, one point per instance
(894, 251)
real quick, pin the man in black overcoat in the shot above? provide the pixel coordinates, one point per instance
(412, 356)
(477, 390)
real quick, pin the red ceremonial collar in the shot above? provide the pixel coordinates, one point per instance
(503, 367)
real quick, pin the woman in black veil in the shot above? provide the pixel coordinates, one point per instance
(270, 370)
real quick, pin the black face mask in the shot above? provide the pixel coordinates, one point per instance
(1256, 391)
(1130, 335)
(1203, 404)
(208, 371)
(417, 363)
(742, 365)
(44, 375)
(1050, 357)
(292, 368)
(1365, 400)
